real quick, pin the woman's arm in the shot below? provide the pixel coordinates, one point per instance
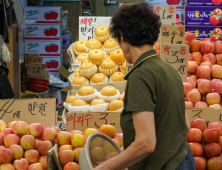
(144, 144)
(187, 121)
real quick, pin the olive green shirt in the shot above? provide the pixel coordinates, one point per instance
(153, 85)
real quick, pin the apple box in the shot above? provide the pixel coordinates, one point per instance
(44, 48)
(52, 63)
(212, 32)
(166, 2)
(43, 32)
(43, 15)
(203, 15)
(203, 2)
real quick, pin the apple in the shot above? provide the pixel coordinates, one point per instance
(200, 105)
(2, 136)
(212, 149)
(116, 142)
(119, 138)
(194, 135)
(56, 128)
(195, 45)
(43, 161)
(211, 135)
(212, 98)
(109, 130)
(192, 66)
(111, 155)
(7, 167)
(220, 142)
(218, 87)
(198, 123)
(214, 163)
(188, 104)
(89, 131)
(71, 166)
(65, 157)
(5, 155)
(108, 147)
(190, 57)
(194, 76)
(44, 147)
(219, 59)
(193, 96)
(205, 86)
(192, 81)
(2, 146)
(76, 131)
(156, 46)
(11, 139)
(189, 36)
(96, 142)
(10, 124)
(207, 47)
(36, 143)
(197, 56)
(206, 39)
(206, 63)
(36, 129)
(197, 149)
(32, 156)
(20, 128)
(209, 57)
(65, 147)
(214, 81)
(21, 164)
(216, 125)
(49, 134)
(187, 43)
(36, 166)
(218, 47)
(77, 152)
(216, 71)
(186, 88)
(97, 154)
(27, 142)
(2, 125)
(64, 138)
(17, 151)
(203, 72)
(215, 106)
(200, 163)
(54, 142)
(7, 131)
(78, 140)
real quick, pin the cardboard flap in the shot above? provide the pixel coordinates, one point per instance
(55, 153)
(51, 164)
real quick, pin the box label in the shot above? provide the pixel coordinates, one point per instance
(203, 3)
(52, 64)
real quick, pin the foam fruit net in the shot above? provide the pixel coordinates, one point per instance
(78, 108)
(99, 108)
(87, 98)
(109, 98)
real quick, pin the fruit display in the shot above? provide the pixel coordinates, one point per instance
(98, 60)
(206, 144)
(88, 99)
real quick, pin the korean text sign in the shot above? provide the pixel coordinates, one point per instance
(177, 56)
(29, 110)
(82, 121)
(167, 14)
(88, 25)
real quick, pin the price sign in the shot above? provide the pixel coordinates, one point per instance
(88, 25)
(29, 110)
(207, 114)
(177, 56)
(82, 121)
(167, 14)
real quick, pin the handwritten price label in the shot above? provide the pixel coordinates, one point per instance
(30, 111)
(82, 121)
(177, 56)
(88, 25)
(208, 115)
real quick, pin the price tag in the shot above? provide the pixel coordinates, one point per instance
(167, 14)
(88, 25)
(177, 56)
(82, 121)
(207, 114)
(29, 110)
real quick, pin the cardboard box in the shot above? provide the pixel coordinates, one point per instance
(24, 3)
(36, 70)
(203, 3)
(44, 48)
(43, 32)
(204, 32)
(53, 63)
(43, 15)
(166, 2)
(202, 15)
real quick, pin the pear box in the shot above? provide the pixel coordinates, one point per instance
(203, 15)
(43, 15)
(203, 2)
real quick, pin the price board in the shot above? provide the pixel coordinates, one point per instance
(82, 121)
(29, 110)
(209, 115)
(177, 56)
(167, 14)
(88, 25)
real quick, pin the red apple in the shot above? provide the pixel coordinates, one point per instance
(71, 166)
(206, 39)
(10, 124)
(109, 130)
(212, 98)
(77, 152)
(195, 45)
(36, 129)
(36, 143)
(119, 138)
(203, 72)
(218, 87)
(200, 105)
(5, 155)
(21, 164)
(214, 163)
(200, 163)
(192, 81)
(44, 147)
(156, 46)
(2, 125)
(190, 57)
(65, 157)
(49, 134)
(207, 47)
(7, 167)
(11, 139)
(216, 71)
(158, 52)
(56, 128)
(2, 136)
(218, 47)
(211, 135)
(186, 88)
(64, 138)
(214, 81)
(219, 59)
(65, 147)
(189, 36)
(20, 128)
(97, 154)
(194, 135)
(215, 106)
(36, 166)
(43, 161)
(192, 66)
(209, 57)
(27, 142)
(212, 149)
(198, 123)
(32, 156)
(17, 151)
(194, 76)
(197, 149)
(216, 125)
(206, 63)
(188, 104)
(78, 140)
(76, 131)
(7, 131)
(193, 96)
(205, 86)
(197, 56)
(96, 142)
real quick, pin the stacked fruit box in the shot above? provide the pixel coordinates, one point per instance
(204, 18)
(43, 35)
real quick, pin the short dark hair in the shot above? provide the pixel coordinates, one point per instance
(137, 23)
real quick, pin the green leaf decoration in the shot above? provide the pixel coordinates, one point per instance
(204, 12)
(218, 35)
(211, 13)
(218, 16)
(204, 32)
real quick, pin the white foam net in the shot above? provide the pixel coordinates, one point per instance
(108, 72)
(102, 39)
(89, 72)
(120, 110)
(66, 105)
(109, 98)
(78, 108)
(87, 98)
(99, 108)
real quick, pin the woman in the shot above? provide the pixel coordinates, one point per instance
(153, 120)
